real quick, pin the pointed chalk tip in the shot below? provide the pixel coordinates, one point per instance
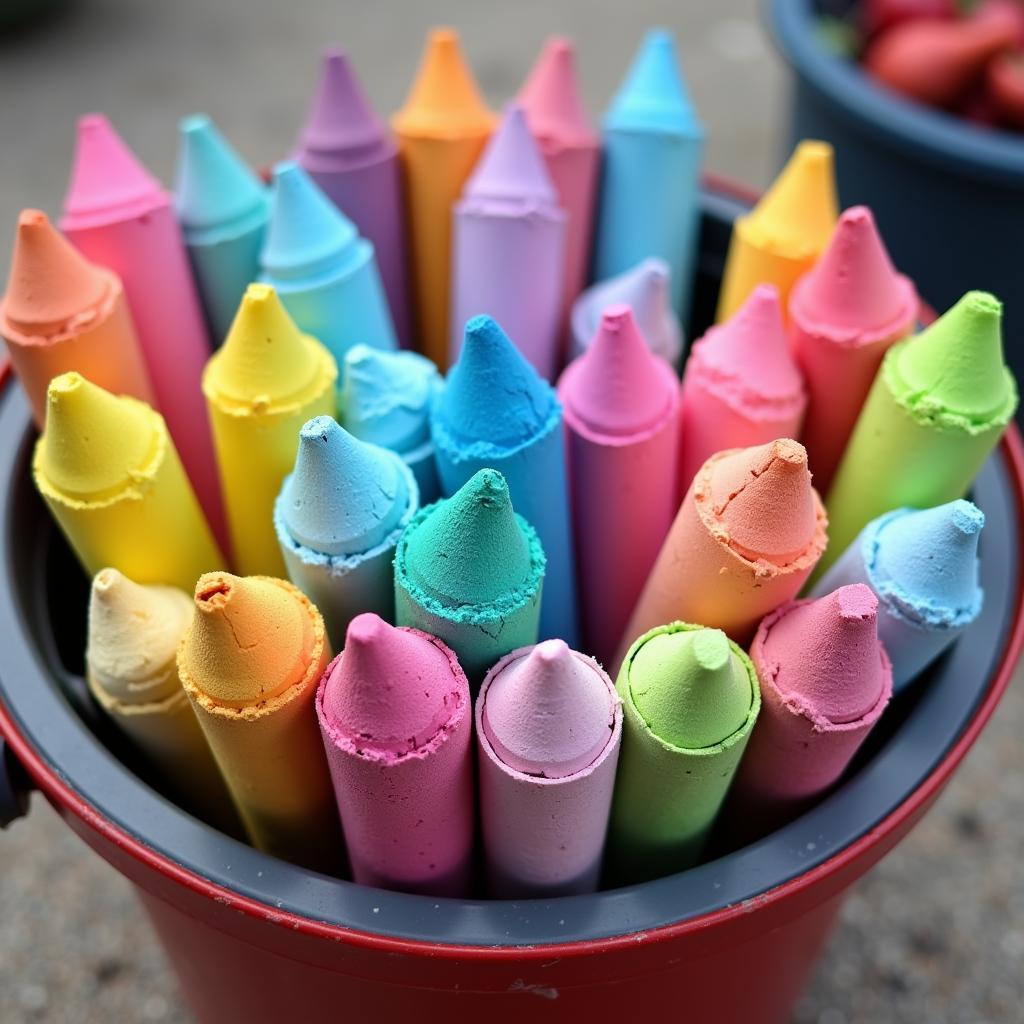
(511, 166)
(486, 487)
(340, 119)
(106, 176)
(710, 649)
(855, 603)
(367, 630)
(551, 96)
(965, 518)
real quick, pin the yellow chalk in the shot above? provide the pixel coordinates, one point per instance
(261, 386)
(783, 236)
(441, 132)
(109, 472)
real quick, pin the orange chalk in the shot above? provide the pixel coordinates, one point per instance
(63, 313)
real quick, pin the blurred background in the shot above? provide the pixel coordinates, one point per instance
(935, 934)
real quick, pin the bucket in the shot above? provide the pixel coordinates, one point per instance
(949, 194)
(255, 939)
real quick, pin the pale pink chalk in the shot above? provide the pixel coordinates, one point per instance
(741, 386)
(548, 725)
(621, 406)
(118, 215)
(825, 681)
(395, 716)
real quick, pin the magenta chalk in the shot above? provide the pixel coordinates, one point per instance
(621, 409)
(825, 681)
(120, 216)
(548, 726)
(395, 714)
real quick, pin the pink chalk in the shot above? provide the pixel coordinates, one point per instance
(825, 681)
(741, 387)
(572, 151)
(394, 712)
(508, 251)
(120, 216)
(549, 725)
(621, 405)
(347, 151)
(844, 315)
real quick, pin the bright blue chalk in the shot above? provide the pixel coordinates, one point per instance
(223, 208)
(386, 399)
(653, 145)
(496, 411)
(325, 274)
(338, 518)
(923, 567)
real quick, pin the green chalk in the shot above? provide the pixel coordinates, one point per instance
(469, 570)
(690, 699)
(938, 407)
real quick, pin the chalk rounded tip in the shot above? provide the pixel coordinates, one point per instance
(966, 518)
(616, 316)
(215, 590)
(319, 428)
(814, 151)
(487, 486)
(711, 649)
(791, 455)
(856, 603)
(366, 630)
(64, 385)
(983, 304)
(195, 124)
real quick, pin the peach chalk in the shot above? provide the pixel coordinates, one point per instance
(747, 535)
(250, 662)
(61, 313)
(395, 717)
(741, 386)
(844, 315)
(621, 409)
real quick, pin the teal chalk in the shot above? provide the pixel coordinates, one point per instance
(324, 273)
(650, 181)
(469, 570)
(223, 208)
(386, 398)
(338, 518)
(497, 411)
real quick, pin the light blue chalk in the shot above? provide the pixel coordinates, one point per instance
(386, 399)
(325, 274)
(338, 518)
(653, 146)
(223, 208)
(923, 567)
(496, 411)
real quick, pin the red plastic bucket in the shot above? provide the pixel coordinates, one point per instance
(254, 939)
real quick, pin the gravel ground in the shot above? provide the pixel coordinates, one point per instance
(935, 934)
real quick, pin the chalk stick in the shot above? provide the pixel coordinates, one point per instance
(495, 411)
(621, 409)
(922, 565)
(385, 398)
(552, 99)
(469, 571)
(60, 312)
(548, 728)
(223, 208)
(323, 272)
(741, 386)
(131, 668)
(264, 382)
(690, 699)
(937, 408)
(250, 662)
(338, 519)
(508, 247)
(844, 314)
(441, 132)
(653, 144)
(783, 236)
(118, 215)
(644, 288)
(395, 717)
(108, 470)
(825, 681)
(346, 149)
(748, 532)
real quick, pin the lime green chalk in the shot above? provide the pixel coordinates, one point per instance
(690, 699)
(938, 407)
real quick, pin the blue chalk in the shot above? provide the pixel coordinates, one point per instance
(223, 209)
(386, 399)
(325, 274)
(496, 411)
(650, 181)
